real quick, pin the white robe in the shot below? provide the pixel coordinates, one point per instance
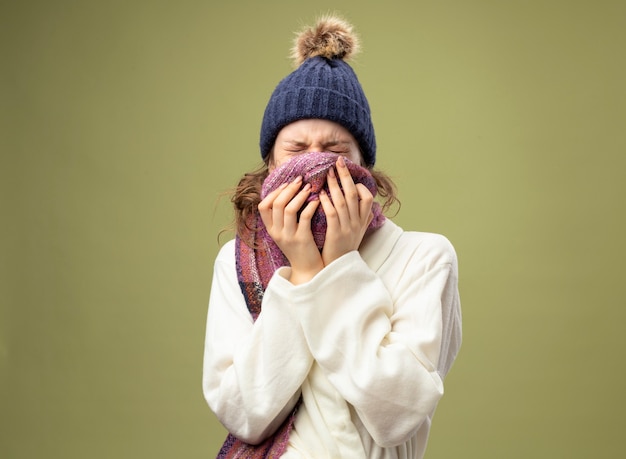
(367, 343)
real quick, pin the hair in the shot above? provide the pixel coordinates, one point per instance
(246, 197)
(322, 86)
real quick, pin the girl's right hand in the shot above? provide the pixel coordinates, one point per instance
(292, 233)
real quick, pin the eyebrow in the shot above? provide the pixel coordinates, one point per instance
(329, 143)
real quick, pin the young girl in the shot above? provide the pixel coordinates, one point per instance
(330, 329)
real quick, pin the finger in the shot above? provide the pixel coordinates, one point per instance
(332, 221)
(287, 192)
(350, 192)
(366, 202)
(265, 206)
(307, 213)
(338, 199)
(292, 209)
(282, 200)
(267, 201)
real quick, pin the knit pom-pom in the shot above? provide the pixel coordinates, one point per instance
(331, 37)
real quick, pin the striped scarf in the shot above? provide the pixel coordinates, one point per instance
(258, 259)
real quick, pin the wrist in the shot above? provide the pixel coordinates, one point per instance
(300, 276)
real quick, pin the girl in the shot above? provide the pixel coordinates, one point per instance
(330, 329)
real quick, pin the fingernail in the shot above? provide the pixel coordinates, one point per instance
(297, 179)
(331, 172)
(307, 187)
(341, 161)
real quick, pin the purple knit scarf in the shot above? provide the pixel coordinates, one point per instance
(257, 261)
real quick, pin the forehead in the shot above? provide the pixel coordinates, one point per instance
(314, 129)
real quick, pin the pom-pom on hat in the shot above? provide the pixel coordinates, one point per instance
(323, 86)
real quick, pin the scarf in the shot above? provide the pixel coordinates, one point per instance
(260, 257)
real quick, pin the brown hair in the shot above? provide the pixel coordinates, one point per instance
(246, 196)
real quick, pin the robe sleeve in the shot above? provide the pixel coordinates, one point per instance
(252, 371)
(379, 336)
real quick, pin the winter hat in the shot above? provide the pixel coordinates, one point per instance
(323, 86)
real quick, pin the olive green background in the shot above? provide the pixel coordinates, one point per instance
(122, 122)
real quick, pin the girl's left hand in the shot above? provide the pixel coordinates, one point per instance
(348, 215)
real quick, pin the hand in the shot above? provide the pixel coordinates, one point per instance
(292, 233)
(348, 215)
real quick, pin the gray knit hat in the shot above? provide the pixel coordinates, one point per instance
(324, 86)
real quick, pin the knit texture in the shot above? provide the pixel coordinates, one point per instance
(313, 167)
(320, 88)
(257, 260)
